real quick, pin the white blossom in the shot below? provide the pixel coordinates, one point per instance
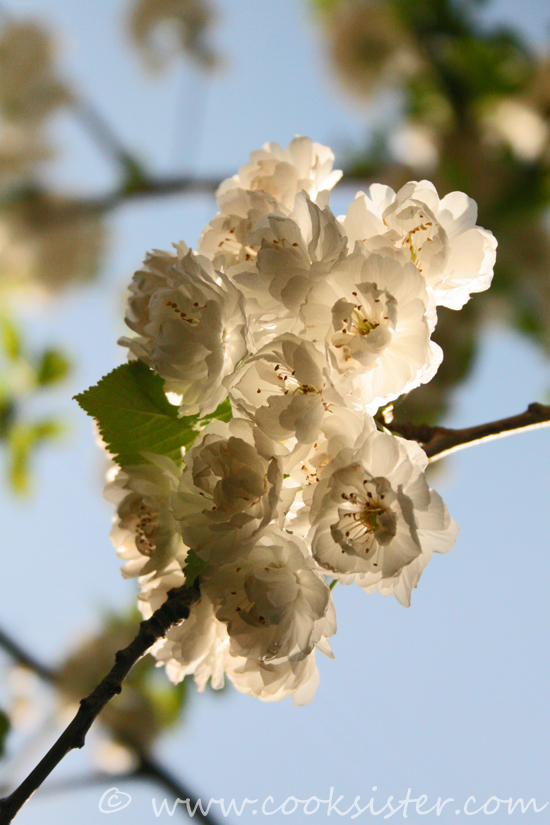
(371, 314)
(283, 173)
(196, 645)
(273, 682)
(144, 532)
(274, 602)
(199, 645)
(286, 388)
(455, 256)
(29, 89)
(295, 253)
(191, 327)
(162, 29)
(229, 491)
(309, 324)
(226, 240)
(374, 519)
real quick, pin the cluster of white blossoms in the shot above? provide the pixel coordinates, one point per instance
(310, 325)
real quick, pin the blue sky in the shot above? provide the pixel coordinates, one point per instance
(449, 697)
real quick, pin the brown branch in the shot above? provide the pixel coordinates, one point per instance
(175, 608)
(440, 441)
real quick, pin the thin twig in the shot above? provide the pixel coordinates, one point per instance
(23, 657)
(175, 608)
(100, 131)
(441, 441)
(149, 768)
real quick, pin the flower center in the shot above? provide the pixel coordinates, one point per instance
(366, 520)
(291, 384)
(143, 524)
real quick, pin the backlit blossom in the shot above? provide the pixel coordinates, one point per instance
(440, 237)
(295, 253)
(283, 173)
(194, 646)
(191, 328)
(144, 531)
(274, 602)
(306, 326)
(374, 518)
(371, 314)
(286, 388)
(273, 682)
(228, 492)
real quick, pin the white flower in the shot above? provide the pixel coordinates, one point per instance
(226, 239)
(520, 126)
(22, 149)
(162, 29)
(29, 90)
(286, 389)
(196, 645)
(229, 492)
(455, 256)
(270, 682)
(47, 243)
(275, 604)
(374, 519)
(191, 328)
(144, 532)
(371, 313)
(283, 173)
(296, 252)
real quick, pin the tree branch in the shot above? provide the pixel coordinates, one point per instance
(101, 132)
(441, 441)
(175, 608)
(24, 658)
(150, 769)
(154, 187)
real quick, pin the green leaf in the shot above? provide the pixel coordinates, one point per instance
(52, 368)
(193, 568)
(222, 413)
(4, 730)
(23, 438)
(11, 340)
(134, 415)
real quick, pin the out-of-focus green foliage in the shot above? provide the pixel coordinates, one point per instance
(24, 374)
(52, 368)
(477, 101)
(23, 440)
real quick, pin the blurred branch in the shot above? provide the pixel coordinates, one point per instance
(175, 608)
(150, 769)
(100, 131)
(149, 187)
(441, 441)
(23, 657)
(147, 768)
